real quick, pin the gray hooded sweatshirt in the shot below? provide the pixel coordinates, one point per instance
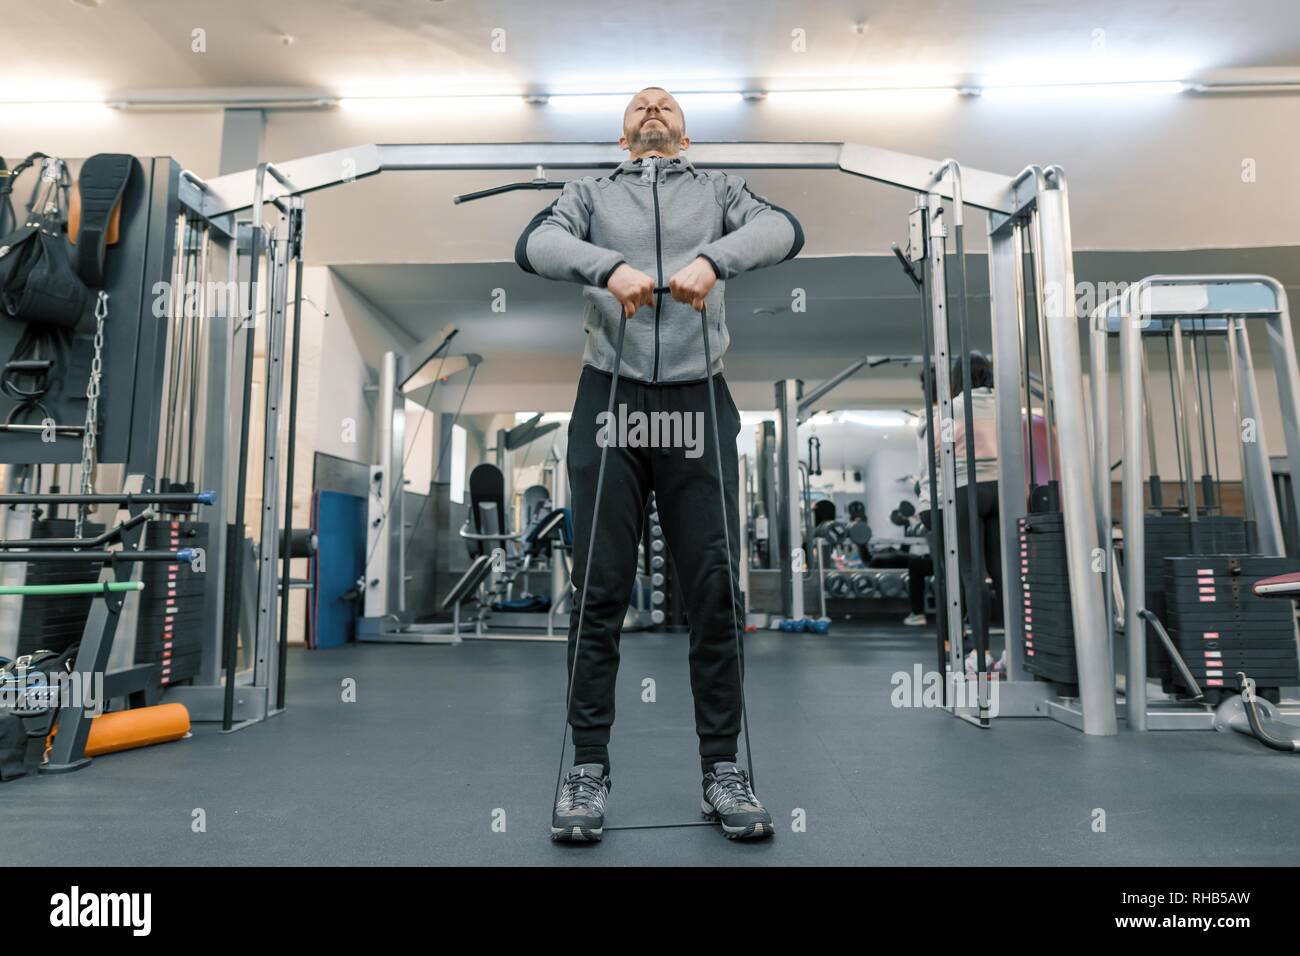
(657, 215)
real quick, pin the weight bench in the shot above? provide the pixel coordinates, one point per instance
(464, 587)
(549, 534)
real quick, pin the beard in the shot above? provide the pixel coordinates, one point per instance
(656, 137)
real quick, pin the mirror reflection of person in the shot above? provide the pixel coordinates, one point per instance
(988, 561)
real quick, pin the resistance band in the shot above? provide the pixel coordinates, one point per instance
(591, 542)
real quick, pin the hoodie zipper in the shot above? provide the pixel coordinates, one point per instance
(659, 259)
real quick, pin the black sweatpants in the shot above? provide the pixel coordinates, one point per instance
(685, 483)
(989, 559)
(919, 567)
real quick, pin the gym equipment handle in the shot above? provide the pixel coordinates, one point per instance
(59, 590)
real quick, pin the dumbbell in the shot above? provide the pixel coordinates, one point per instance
(838, 585)
(860, 533)
(863, 585)
(833, 531)
(891, 585)
(657, 580)
(657, 563)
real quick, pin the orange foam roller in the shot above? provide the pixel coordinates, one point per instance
(140, 727)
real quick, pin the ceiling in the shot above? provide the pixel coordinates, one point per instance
(1145, 174)
(351, 46)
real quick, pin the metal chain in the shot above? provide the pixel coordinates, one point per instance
(92, 409)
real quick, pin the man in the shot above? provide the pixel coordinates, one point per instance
(655, 222)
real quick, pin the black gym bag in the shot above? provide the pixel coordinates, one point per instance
(37, 281)
(18, 681)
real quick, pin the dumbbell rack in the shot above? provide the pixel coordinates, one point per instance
(868, 583)
(865, 583)
(666, 609)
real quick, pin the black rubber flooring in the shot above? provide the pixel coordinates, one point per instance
(448, 756)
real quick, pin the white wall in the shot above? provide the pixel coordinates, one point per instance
(192, 137)
(885, 490)
(336, 414)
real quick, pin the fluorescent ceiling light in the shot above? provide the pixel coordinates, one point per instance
(606, 102)
(589, 102)
(874, 419)
(427, 105)
(869, 419)
(1083, 90)
(874, 97)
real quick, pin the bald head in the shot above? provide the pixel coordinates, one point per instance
(653, 125)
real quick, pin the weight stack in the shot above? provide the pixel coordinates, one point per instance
(1171, 536)
(55, 623)
(1045, 595)
(171, 604)
(1220, 627)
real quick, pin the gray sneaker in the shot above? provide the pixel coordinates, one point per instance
(729, 799)
(579, 815)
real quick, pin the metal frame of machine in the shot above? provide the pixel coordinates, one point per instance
(221, 199)
(1029, 214)
(1173, 306)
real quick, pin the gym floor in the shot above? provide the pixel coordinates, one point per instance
(442, 741)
